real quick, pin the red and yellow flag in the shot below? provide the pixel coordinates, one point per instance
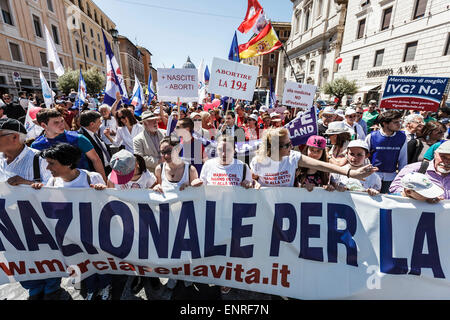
(265, 42)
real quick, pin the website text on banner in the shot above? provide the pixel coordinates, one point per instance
(233, 79)
(299, 95)
(277, 240)
(414, 93)
(177, 83)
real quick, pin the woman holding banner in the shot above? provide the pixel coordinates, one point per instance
(276, 162)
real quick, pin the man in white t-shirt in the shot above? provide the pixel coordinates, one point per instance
(225, 170)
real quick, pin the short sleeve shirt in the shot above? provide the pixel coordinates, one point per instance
(276, 173)
(216, 174)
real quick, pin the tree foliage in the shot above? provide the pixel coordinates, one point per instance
(340, 87)
(95, 80)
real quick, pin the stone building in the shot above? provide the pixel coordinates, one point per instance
(75, 26)
(132, 63)
(85, 23)
(23, 46)
(148, 67)
(394, 37)
(314, 43)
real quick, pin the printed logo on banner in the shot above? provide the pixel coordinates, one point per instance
(413, 93)
(233, 79)
(178, 83)
(302, 127)
(299, 95)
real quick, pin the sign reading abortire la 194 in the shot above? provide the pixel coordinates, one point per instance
(413, 93)
(299, 95)
(233, 79)
(178, 83)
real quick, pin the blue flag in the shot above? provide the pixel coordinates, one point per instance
(271, 95)
(207, 74)
(234, 50)
(150, 92)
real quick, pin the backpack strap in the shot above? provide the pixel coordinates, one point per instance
(424, 166)
(88, 177)
(36, 169)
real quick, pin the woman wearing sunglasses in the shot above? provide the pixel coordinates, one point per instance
(128, 128)
(276, 162)
(173, 173)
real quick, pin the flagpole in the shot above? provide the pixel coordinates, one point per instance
(289, 60)
(50, 81)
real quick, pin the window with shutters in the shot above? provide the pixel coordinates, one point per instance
(378, 58)
(6, 12)
(419, 8)
(355, 63)
(77, 43)
(87, 50)
(410, 51)
(361, 28)
(387, 13)
(37, 26)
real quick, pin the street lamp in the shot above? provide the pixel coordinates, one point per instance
(115, 34)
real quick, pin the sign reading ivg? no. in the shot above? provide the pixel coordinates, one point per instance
(414, 93)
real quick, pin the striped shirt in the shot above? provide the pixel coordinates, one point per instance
(22, 166)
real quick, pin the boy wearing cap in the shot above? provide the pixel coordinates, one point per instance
(357, 153)
(438, 171)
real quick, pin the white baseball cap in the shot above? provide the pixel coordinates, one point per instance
(254, 117)
(263, 109)
(329, 110)
(340, 113)
(444, 148)
(350, 111)
(194, 114)
(421, 184)
(358, 144)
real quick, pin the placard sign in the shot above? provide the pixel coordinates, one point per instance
(413, 93)
(233, 79)
(178, 83)
(299, 95)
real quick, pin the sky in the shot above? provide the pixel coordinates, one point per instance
(172, 30)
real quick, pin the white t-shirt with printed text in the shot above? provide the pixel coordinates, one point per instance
(276, 173)
(215, 174)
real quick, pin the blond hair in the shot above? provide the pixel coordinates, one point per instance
(270, 143)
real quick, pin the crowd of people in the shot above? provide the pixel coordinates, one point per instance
(166, 147)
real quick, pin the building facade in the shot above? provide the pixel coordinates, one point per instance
(23, 46)
(394, 37)
(148, 67)
(132, 63)
(314, 43)
(75, 26)
(268, 63)
(85, 23)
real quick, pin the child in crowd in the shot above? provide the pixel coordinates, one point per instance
(357, 153)
(310, 178)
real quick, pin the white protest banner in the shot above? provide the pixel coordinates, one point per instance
(282, 241)
(178, 83)
(299, 95)
(233, 79)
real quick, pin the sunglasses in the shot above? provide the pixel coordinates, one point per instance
(168, 151)
(286, 146)
(197, 120)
